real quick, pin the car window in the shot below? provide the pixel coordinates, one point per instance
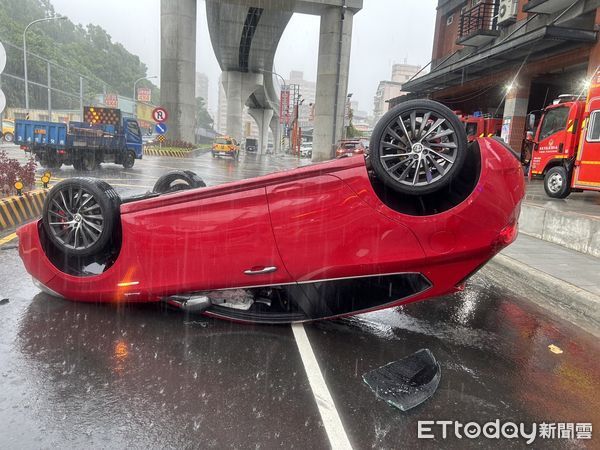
(554, 121)
(471, 128)
(594, 127)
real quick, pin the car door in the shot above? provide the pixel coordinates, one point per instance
(208, 239)
(587, 166)
(133, 137)
(325, 231)
(551, 138)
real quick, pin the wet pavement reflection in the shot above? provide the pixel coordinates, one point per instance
(115, 376)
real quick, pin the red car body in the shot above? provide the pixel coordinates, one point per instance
(315, 225)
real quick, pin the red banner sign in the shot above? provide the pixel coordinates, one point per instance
(284, 106)
(144, 95)
(111, 100)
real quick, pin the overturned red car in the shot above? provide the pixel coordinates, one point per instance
(413, 220)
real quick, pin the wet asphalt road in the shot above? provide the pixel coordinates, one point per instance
(100, 376)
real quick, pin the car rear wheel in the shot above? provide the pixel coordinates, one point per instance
(80, 216)
(557, 182)
(177, 180)
(418, 147)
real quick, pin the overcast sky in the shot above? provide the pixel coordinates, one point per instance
(385, 32)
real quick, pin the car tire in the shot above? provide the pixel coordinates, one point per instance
(80, 216)
(9, 137)
(416, 158)
(129, 160)
(557, 182)
(177, 180)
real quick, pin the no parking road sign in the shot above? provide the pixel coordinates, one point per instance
(160, 128)
(160, 114)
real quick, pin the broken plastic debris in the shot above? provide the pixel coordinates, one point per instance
(407, 382)
(554, 349)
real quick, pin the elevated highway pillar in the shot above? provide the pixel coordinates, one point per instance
(178, 66)
(238, 88)
(263, 121)
(335, 41)
(276, 130)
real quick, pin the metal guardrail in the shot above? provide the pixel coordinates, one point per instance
(480, 18)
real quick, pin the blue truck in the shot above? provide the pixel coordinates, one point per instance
(103, 137)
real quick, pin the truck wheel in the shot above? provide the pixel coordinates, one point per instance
(129, 160)
(177, 180)
(557, 182)
(89, 162)
(77, 164)
(80, 216)
(418, 147)
(9, 137)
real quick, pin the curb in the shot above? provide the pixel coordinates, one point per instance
(576, 231)
(578, 306)
(171, 153)
(16, 210)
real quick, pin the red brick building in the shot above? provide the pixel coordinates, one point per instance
(510, 57)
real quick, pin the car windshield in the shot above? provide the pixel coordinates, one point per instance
(299, 224)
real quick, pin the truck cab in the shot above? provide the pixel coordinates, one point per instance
(566, 148)
(133, 137)
(480, 126)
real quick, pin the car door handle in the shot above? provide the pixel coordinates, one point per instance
(269, 269)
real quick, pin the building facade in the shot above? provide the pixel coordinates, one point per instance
(505, 58)
(393, 88)
(202, 86)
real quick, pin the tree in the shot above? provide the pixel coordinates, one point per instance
(203, 118)
(74, 49)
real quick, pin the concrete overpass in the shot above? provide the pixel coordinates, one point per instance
(245, 35)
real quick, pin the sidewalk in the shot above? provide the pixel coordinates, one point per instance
(568, 281)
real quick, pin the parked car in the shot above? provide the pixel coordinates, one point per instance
(225, 146)
(251, 145)
(413, 221)
(8, 130)
(306, 150)
(350, 147)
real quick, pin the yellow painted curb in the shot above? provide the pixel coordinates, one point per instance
(16, 210)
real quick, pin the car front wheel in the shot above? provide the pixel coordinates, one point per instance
(177, 180)
(418, 147)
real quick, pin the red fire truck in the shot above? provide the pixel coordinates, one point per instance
(566, 148)
(480, 126)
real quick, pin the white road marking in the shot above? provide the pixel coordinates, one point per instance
(329, 414)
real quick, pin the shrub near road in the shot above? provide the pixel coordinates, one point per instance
(11, 171)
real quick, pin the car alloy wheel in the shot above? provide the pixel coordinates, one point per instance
(75, 218)
(418, 147)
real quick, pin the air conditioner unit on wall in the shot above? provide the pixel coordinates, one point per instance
(507, 11)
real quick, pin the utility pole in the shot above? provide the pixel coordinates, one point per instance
(49, 93)
(81, 96)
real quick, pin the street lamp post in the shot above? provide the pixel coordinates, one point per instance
(283, 86)
(25, 54)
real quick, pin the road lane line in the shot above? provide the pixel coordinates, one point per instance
(7, 239)
(329, 414)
